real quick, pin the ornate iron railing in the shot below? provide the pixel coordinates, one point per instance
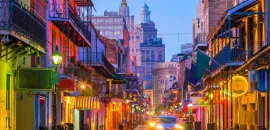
(201, 38)
(99, 58)
(235, 53)
(115, 93)
(67, 11)
(24, 21)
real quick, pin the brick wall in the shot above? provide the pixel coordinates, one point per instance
(213, 11)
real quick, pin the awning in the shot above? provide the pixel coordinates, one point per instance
(87, 103)
(119, 79)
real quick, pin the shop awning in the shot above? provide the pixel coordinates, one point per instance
(119, 79)
(87, 103)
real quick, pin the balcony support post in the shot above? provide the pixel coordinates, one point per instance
(230, 35)
(110, 86)
(267, 3)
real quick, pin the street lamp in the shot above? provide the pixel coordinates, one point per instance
(56, 58)
(57, 61)
(190, 107)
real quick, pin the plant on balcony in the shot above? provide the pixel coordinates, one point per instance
(70, 68)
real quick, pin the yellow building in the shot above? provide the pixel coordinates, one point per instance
(19, 39)
(238, 43)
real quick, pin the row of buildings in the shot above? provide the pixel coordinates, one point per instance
(59, 70)
(234, 88)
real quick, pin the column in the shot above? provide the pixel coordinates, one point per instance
(267, 5)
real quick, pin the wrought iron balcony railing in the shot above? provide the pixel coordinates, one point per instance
(115, 93)
(236, 53)
(18, 17)
(68, 12)
(200, 40)
(99, 59)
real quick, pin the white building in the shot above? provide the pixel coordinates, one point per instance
(164, 75)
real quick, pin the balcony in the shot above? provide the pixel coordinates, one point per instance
(78, 70)
(66, 17)
(201, 42)
(101, 64)
(21, 28)
(116, 94)
(113, 95)
(235, 56)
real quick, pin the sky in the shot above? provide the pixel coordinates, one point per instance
(170, 17)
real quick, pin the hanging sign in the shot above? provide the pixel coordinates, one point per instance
(203, 103)
(262, 80)
(239, 85)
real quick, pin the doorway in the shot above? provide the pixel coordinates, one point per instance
(8, 101)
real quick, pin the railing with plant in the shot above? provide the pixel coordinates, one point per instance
(23, 20)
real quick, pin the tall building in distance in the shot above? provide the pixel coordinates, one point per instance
(186, 48)
(113, 24)
(152, 49)
(151, 52)
(174, 58)
(146, 28)
(164, 75)
(198, 25)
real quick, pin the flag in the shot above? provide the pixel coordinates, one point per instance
(202, 63)
(192, 76)
(186, 78)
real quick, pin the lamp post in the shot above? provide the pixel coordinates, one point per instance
(57, 61)
(190, 107)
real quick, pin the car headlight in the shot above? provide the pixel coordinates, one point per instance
(152, 124)
(160, 127)
(179, 127)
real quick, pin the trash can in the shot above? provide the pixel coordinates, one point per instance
(70, 126)
(188, 125)
(43, 128)
(198, 125)
(211, 126)
(120, 126)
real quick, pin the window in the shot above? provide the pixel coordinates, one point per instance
(152, 55)
(201, 26)
(53, 40)
(143, 55)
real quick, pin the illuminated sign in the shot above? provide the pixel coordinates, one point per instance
(239, 85)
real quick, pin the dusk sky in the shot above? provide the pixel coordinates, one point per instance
(170, 17)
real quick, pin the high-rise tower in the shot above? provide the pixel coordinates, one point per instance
(145, 14)
(124, 9)
(146, 28)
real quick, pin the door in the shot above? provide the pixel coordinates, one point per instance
(76, 119)
(8, 101)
